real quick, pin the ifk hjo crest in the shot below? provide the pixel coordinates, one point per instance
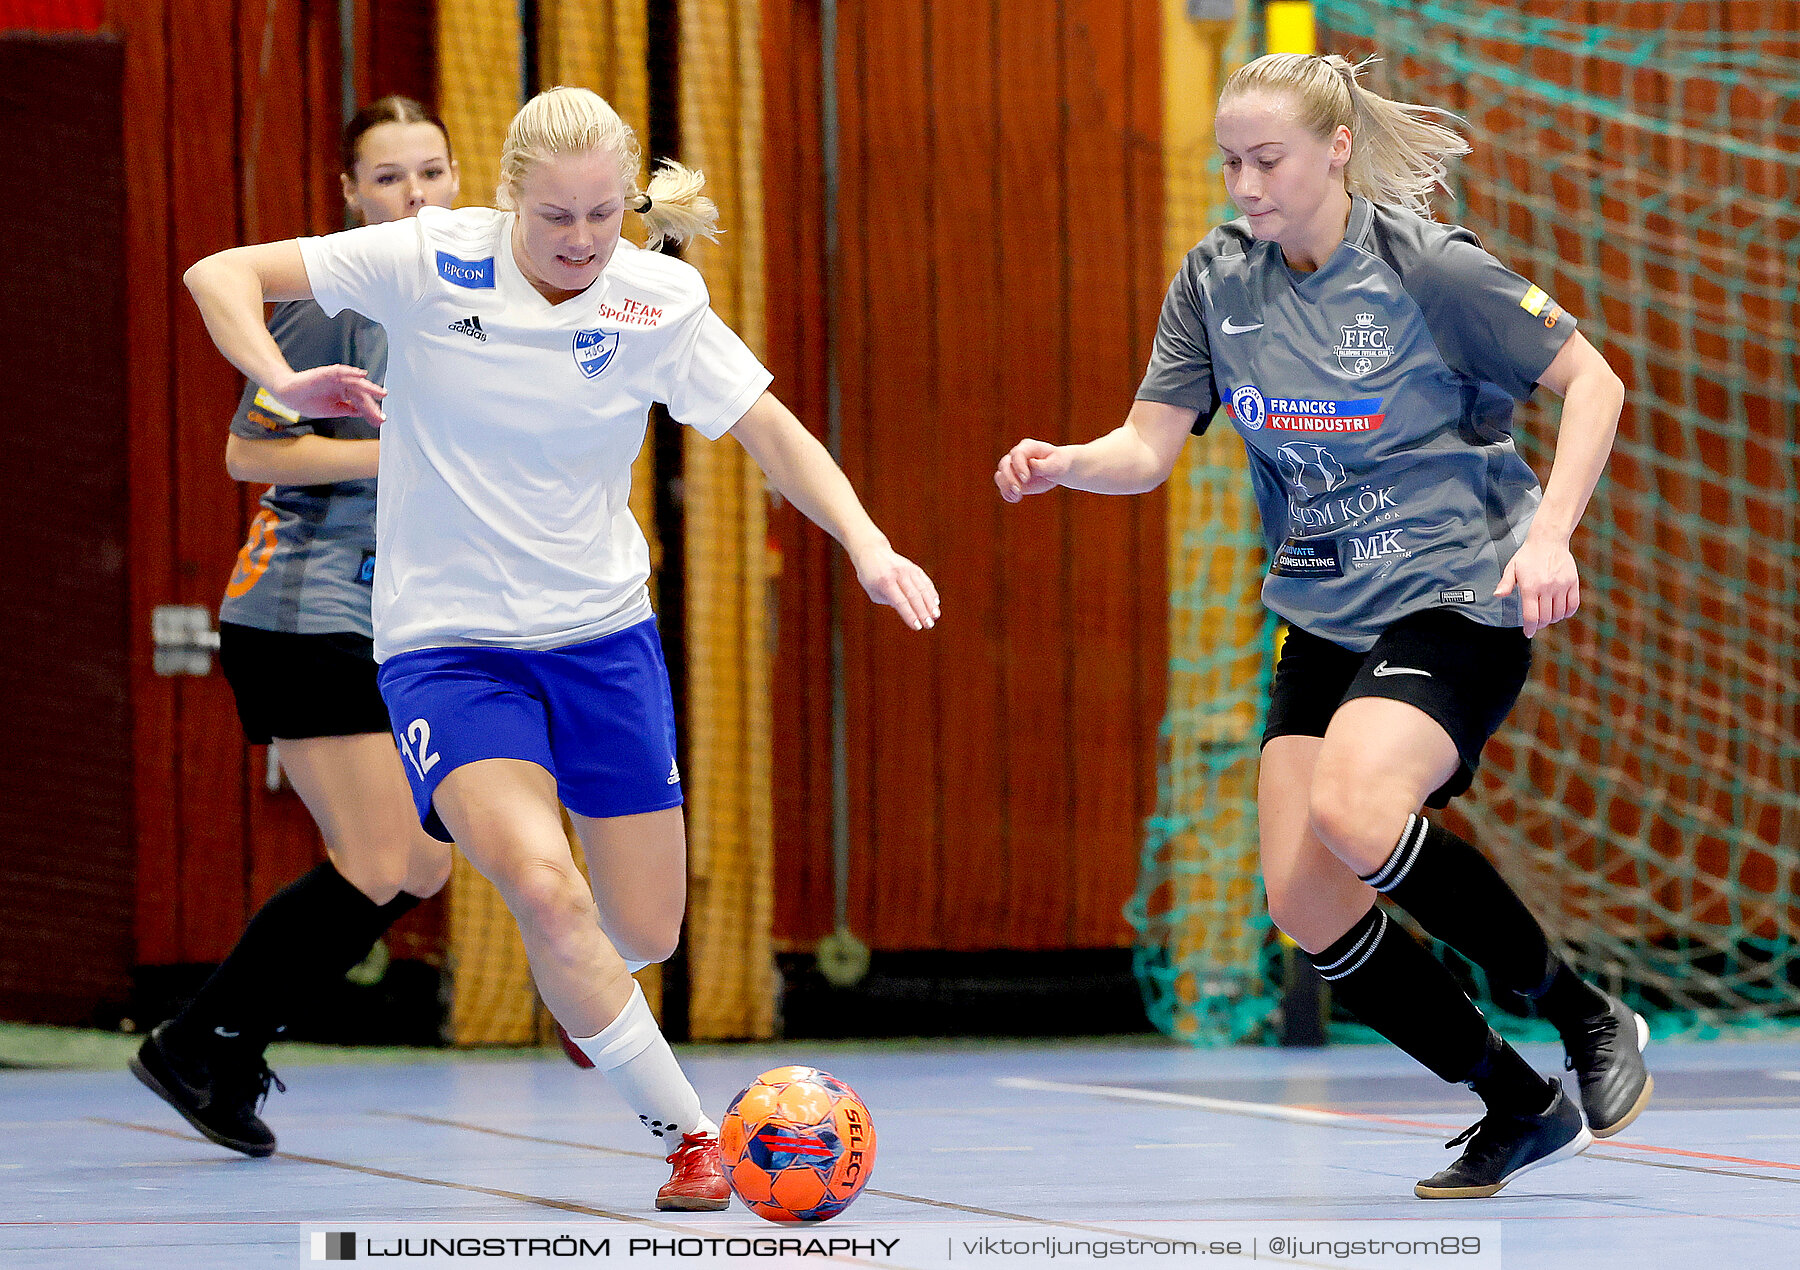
(594, 350)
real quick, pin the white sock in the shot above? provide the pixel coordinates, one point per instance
(635, 1057)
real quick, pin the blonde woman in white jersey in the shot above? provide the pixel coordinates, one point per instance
(520, 660)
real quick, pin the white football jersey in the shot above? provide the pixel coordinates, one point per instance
(504, 516)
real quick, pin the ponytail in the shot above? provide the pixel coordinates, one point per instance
(675, 210)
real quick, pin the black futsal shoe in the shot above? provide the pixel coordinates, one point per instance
(219, 1093)
(1606, 1054)
(1503, 1146)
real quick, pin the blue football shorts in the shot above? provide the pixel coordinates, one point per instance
(597, 716)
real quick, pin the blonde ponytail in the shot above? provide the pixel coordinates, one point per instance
(561, 121)
(676, 210)
(1399, 152)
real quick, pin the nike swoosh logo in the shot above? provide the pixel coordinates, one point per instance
(230, 1036)
(1232, 328)
(1384, 670)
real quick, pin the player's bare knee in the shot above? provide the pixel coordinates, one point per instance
(1350, 816)
(379, 875)
(428, 866)
(546, 896)
(643, 942)
(1285, 910)
(1295, 914)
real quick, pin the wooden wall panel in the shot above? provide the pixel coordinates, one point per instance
(1147, 180)
(999, 164)
(849, 358)
(230, 136)
(1119, 641)
(1034, 585)
(967, 418)
(891, 394)
(141, 23)
(397, 49)
(66, 862)
(273, 160)
(322, 116)
(207, 509)
(802, 558)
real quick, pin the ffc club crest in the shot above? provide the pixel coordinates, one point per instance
(594, 350)
(1363, 347)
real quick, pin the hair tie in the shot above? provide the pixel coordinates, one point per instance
(644, 210)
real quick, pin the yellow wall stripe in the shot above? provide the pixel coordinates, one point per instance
(1210, 509)
(492, 999)
(1288, 27)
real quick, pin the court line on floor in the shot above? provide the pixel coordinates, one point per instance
(964, 1150)
(1230, 1106)
(591, 1146)
(1170, 1146)
(419, 1118)
(896, 1195)
(542, 1201)
(1413, 1128)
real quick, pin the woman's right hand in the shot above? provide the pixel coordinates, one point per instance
(331, 392)
(1031, 467)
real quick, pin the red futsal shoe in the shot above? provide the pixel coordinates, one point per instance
(570, 1048)
(698, 1183)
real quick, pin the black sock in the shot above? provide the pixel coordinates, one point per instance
(1387, 979)
(1507, 1083)
(1382, 975)
(303, 940)
(1567, 999)
(1454, 893)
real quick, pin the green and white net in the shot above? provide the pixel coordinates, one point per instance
(1641, 163)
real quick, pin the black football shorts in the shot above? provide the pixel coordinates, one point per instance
(1465, 675)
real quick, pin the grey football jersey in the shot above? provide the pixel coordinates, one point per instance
(308, 564)
(1375, 397)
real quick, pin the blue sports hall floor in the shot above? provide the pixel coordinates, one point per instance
(1074, 1142)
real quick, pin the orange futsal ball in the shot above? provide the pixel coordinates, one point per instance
(797, 1145)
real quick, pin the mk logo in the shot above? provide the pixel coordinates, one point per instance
(1375, 546)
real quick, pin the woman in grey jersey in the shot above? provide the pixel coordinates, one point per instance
(1370, 359)
(295, 644)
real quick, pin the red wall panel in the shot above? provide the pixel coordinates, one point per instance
(66, 862)
(204, 144)
(804, 558)
(999, 276)
(231, 130)
(142, 25)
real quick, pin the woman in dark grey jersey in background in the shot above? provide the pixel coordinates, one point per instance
(1370, 359)
(295, 644)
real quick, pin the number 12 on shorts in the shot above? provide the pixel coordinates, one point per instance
(424, 758)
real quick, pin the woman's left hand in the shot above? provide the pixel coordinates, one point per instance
(1547, 581)
(890, 578)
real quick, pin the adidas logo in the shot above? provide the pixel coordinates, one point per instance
(470, 326)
